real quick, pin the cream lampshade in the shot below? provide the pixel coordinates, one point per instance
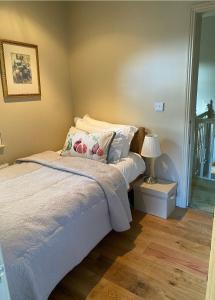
(151, 149)
(151, 146)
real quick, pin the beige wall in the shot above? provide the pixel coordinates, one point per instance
(124, 56)
(33, 126)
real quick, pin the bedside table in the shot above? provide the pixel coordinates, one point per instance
(156, 199)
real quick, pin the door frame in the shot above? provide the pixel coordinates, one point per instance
(191, 91)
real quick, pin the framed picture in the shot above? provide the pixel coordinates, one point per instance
(19, 69)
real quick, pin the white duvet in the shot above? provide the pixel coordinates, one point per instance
(43, 201)
(130, 167)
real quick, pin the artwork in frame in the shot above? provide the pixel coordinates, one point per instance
(19, 69)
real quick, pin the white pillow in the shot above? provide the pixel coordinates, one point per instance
(128, 131)
(81, 124)
(75, 130)
(117, 144)
(95, 122)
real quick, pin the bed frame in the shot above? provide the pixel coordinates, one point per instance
(136, 146)
(137, 142)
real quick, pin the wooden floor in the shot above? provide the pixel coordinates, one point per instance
(155, 259)
(210, 294)
(202, 194)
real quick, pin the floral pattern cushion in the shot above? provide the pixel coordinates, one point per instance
(88, 145)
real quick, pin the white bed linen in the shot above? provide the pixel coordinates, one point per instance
(49, 205)
(131, 167)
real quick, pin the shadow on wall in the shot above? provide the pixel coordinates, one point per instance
(165, 168)
(22, 99)
(1, 151)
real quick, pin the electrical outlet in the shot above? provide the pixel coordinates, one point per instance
(159, 106)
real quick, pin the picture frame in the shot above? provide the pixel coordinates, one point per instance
(19, 69)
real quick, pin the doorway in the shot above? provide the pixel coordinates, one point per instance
(202, 156)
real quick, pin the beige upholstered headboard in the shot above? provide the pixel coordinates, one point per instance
(137, 142)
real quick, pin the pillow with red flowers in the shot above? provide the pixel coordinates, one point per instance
(94, 146)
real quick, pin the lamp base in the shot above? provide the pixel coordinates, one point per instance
(150, 180)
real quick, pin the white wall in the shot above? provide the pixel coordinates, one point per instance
(34, 126)
(125, 56)
(206, 76)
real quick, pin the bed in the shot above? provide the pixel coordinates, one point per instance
(54, 210)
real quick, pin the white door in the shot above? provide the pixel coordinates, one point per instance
(4, 291)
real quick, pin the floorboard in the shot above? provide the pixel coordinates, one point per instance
(210, 294)
(202, 194)
(156, 259)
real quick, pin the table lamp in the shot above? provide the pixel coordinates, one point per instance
(151, 149)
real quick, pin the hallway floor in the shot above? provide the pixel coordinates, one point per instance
(203, 195)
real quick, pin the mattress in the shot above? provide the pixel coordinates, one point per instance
(131, 167)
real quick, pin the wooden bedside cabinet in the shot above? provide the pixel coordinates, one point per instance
(156, 199)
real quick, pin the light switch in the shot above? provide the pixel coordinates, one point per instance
(159, 106)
